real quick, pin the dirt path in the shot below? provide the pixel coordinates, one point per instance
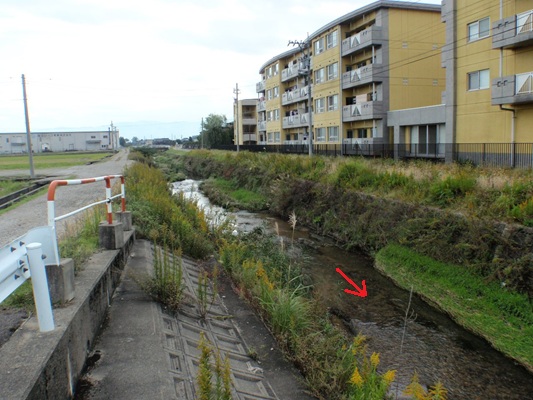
(17, 221)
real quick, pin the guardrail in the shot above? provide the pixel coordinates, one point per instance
(52, 219)
(28, 255)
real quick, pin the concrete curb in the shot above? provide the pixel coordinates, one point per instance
(47, 366)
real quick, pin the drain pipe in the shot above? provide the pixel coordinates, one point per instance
(512, 132)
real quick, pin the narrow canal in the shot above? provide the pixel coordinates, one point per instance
(431, 344)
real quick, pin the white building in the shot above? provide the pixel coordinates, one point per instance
(16, 143)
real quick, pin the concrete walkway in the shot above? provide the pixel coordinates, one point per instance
(145, 352)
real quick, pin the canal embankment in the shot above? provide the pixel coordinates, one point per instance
(496, 251)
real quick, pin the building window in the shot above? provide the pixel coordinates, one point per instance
(276, 114)
(319, 46)
(479, 29)
(333, 71)
(277, 137)
(269, 94)
(276, 69)
(319, 75)
(333, 102)
(331, 39)
(276, 91)
(479, 80)
(333, 134)
(320, 134)
(319, 105)
(361, 133)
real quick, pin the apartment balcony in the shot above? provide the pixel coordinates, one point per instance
(249, 137)
(262, 126)
(362, 76)
(260, 86)
(261, 105)
(294, 96)
(292, 71)
(513, 32)
(363, 111)
(512, 89)
(296, 121)
(370, 36)
(248, 120)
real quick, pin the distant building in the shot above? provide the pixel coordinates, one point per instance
(245, 126)
(41, 142)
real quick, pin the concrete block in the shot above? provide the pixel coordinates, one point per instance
(125, 218)
(111, 236)
(61, 281)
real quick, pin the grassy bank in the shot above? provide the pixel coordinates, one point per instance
(503, 317)
(452, 215)
(227, 194)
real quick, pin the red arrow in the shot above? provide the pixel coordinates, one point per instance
(360, 292)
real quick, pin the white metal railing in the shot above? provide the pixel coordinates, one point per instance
(524, 22)
(25, 256)
(21, 260)
(524, 83)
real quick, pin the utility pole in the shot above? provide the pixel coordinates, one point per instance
(237, 91)
(28, 135)
(305, 47)
(202, 134)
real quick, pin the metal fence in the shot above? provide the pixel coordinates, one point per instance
(514, 155)
(28, 255)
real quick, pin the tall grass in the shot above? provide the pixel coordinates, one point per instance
(154, 208)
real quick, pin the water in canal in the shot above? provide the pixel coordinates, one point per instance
(433, 345)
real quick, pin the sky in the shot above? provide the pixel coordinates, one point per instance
(154, 68)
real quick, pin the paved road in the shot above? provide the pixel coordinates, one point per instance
(24, 217)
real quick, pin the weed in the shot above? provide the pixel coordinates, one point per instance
(221, 389)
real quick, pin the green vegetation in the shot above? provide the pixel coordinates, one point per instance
(220, 389)
(166, 285)
(50, 160)
(181, 223)
(270, 279)
(503, 317)
(227, 194)
(80, 239)
(10, 186)
(445, 213)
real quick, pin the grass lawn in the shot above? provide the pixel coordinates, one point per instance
(50, 160)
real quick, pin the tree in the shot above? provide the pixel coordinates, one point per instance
(216, 131)
(123, 141)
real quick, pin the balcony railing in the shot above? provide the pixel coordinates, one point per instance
(513, 89)
(370, 36)
(296, 121)
(291, 71)
(361, 76)
(514, 31)
(260, 86)
(294, 96)
(363, 111)
(262, 126)
(261, 105)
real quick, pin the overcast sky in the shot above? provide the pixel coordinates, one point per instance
(145, 65)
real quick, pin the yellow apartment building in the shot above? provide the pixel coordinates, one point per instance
(381, 57)
(489, 94)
